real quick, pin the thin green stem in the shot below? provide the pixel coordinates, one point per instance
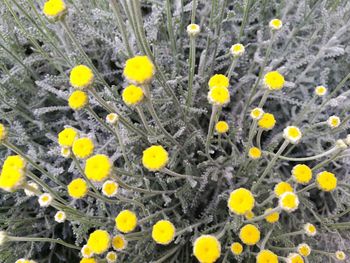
(43, 239)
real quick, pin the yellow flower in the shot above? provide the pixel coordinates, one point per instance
(267, 121)
(206, 249)
(88, 260)
(3, 132)
(112, 118)
(193, 29)
(289, 201)
(295, 258)
(60, 217)
(83, 147)
(326, 181)
(282, 188)
(45, 200)
(11, 179)
(219, 80)
(272, 218)
(67, 136)
(14, 162)
(275, 24)
(333, 121)
(155, 158)
(249, 215)
(273, 80)
(110, 188)
(111, 257)
(119, 242)
(78, 100)
(139, 69)
(237, 50)
(219, 96)
(98, 167)
(132, 95)
(310, 229)
(81, 77)
(292, 134)
(66, 152)
(221, 127)
(77, 188)
(236, 248)
(126, 221)
(54, 8)
(266, 256)
(99, 241)
(340, 255)
(320, 90)
(256, 113)
(163, 232)
(241, 201)
(254, 153)
(304, 249)
(86, 252)
(249, 234)
(302, 174)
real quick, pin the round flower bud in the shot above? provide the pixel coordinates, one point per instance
(193, 30)
(275, 24)
(237, 50)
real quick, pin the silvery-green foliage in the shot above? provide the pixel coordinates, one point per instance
(311, 49)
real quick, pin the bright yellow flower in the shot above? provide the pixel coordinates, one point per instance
(78, 100)
(206, 249)
(254, 153)
(236, 248)
(237, 50)
(111, 257)
(112, 118)
(11, 179)
(267, 121)
(221, 127)
(132, 95)
(3, 132)
(273, 80)
(83, 147)
(340, 255)
(110, 188)
(81, 77)
(256, 113)
(163, 232)
(67, 136)
(333, 121)
(60, 217)
(275, 24)
(249, 234)
(249, 215)
(86, 252)
(14, 162)
(126, 221)
(45, 200)
(219, 80)
(139, 69)
(310, 229)
(219, 96)
(98, 167)
(266, 256)
(326, 181)
(320, 90)
(119, 242)
(302, 174)
(304, 249)
(289, 201)
(193, 29)
(282, 188)
(99, 241)
(292, 134)
(88, 260)
(54, 8)
(295, 258)
(77, 188)
(272, 218)
(241, 201)
(155, 158)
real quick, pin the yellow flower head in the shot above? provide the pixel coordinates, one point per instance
(14, 162)
(320, 91)
(193, 29)
(110, 188)
(254, 153)
(88, 260)
(221, 127)
(295, 258)
(45, 200)
(98, 167)
(326, 181)
(241, 201)
(256, 113)
(282, 188)
(111, 257)
(77, 188)
(266, 256)
(155, 158)
(78, 100)
(67, 136)
(81, 77)
(126, 221)
(302, 174)
(54, 8)
(112, 118)
(310, 229)
(289, 201)
(249, 234)
(66, 152)
(275, 24)
(83, 147)
(11, 179)
(206, 249)
(139, 69)
(119, 242)
(60, 217)
(333, 121)
(304, 249)
(292, 134)
(267, 121)
(3, 132)
(249, 215)
(236, 248)
(340, 255)
(99, 241)
(272, 218)
(219, 96)
(237, 50)
(86, 252)
(132, 95)
(163, 232)
(273, 80)
(219, 80)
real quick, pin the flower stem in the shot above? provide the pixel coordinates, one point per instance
(43, 239)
